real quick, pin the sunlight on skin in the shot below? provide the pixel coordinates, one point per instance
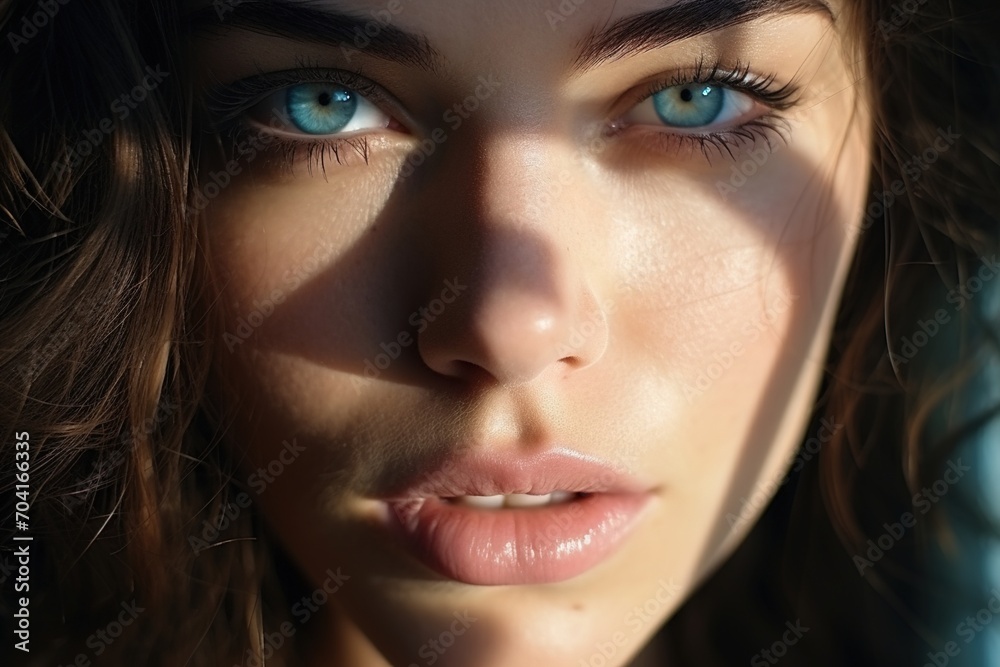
(547, 225)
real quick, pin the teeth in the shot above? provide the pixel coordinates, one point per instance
(526, 500)
(514, 500)
(487, 502)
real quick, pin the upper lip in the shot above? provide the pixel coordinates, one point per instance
(490, 473)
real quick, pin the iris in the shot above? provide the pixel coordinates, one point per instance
(689, 105)
(321, 108)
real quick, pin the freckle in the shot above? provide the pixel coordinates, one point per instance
(577, 606)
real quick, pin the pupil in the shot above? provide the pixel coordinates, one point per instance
(686, 95)
(325, 99)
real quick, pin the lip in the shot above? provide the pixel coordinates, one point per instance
(521, 545)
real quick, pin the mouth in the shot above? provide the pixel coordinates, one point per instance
(492, 519)
(515, 500)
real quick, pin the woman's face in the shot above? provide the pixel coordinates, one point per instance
(527, 234)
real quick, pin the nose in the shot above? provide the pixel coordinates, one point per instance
(508, 235)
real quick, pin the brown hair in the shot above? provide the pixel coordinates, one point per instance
(929, 73)
(105, 352)
(107, 338)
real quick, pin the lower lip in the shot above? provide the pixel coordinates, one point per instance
(523, 545)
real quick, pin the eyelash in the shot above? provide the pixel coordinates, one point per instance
(769, 127)
(228, 104)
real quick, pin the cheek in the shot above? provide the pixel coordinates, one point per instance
(713, 290)
(271, 235)
(274, 242)
(725, 309)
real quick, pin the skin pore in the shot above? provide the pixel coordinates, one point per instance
(617, 286)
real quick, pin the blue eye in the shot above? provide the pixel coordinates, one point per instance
(692, 105)
(320, 108)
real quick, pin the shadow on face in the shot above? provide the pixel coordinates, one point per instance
(516, 287)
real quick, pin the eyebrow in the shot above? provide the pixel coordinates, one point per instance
(299, 19)
(660, 27)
